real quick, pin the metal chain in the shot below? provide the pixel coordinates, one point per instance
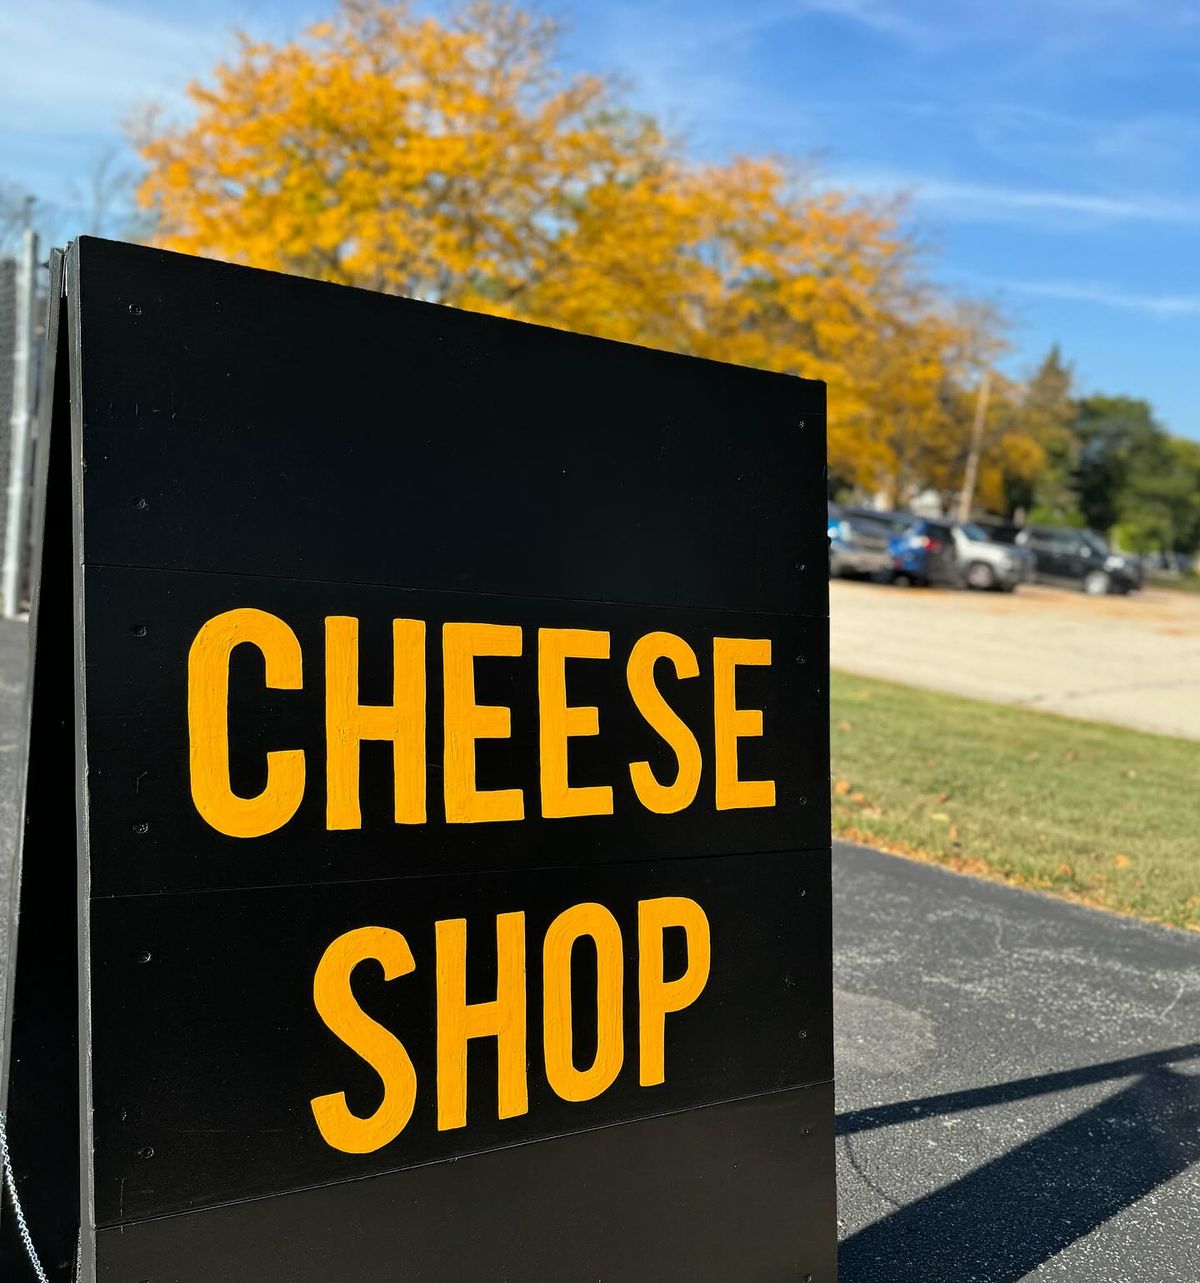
(11, 1181)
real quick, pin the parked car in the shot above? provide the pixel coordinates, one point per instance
(858, 546)
(958, 553)
(1135, 565)
(1078, 559)
(894, 522)
(998, 530)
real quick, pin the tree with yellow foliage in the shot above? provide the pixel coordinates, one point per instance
(450, 160)
(441, 160)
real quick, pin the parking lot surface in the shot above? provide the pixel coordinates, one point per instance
(1134, 660)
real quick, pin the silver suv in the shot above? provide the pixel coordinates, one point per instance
(984, 564)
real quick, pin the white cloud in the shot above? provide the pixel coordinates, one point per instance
(984, 202)
(1162, 305)
(877, 16)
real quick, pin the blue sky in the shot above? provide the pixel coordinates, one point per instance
(1049, 147)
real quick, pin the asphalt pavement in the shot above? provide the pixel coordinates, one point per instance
(1018, 1084)
(1018, 1078)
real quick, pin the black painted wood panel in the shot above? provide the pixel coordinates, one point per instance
(735, 1193)
(208, 1049)
(247, 421)
(246, 440)
(147, 835)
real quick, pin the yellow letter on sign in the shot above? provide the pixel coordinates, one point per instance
(348, 723)
(466, 721)
(664, 799)
(458, 1020)
(335, 1003)
(658, 996)
(732, 723)
(569, 1083)
(560, 721)
(208, 724)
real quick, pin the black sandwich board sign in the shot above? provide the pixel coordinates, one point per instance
(425, 865)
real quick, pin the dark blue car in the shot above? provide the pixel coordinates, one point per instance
(924, 552)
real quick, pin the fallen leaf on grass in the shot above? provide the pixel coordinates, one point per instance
(1121, 860)
(941, 817)
(860, 798)
(953, 834)
(942, 797)
(1065, 871)
(1069, 755)
(1032, 757)
(844, 727)
(842, 787)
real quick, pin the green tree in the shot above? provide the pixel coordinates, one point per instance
(1113, 433)
(1160, 504)
(1047, 413)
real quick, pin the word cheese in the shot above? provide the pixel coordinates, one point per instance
(403, 722)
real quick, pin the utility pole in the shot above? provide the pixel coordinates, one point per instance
(21, 426)
(966, 496)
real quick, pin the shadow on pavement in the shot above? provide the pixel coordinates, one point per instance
(955, 1102)
(1001, 1221)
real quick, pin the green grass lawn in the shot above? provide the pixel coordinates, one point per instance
(1092, 812)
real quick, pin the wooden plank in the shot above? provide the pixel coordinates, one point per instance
(244, 421)
(740, 1191)
(208, 1048)
(147, 835)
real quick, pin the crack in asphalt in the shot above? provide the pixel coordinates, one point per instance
(1166, 1011)
(877, 1190)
